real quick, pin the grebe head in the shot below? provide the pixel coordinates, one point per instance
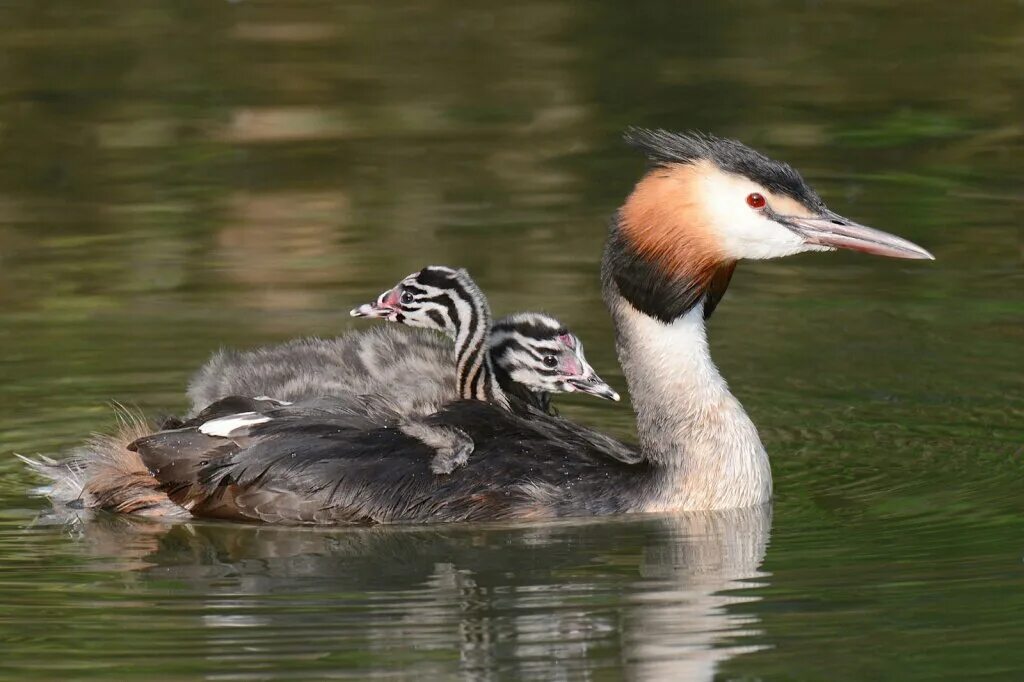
(537, 351)
(749, 205)
(707, 202)
(425, 299)
(532, 349)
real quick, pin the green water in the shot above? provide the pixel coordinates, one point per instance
(179, 176)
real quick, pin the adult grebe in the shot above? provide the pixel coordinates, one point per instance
(704, 204)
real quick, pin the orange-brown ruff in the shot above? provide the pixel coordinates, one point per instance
(664, 221)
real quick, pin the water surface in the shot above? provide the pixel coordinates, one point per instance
(175, 177)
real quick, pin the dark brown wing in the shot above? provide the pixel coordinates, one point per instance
(333, 465)
(319, 469)
(176, 459)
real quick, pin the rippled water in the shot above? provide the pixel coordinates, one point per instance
(179, 176)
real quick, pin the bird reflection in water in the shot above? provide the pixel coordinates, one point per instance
(657, 597)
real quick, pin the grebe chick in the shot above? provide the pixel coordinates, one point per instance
(531, 351)
(380, 360)
(525, 356)
(535, 352)
(704, 204)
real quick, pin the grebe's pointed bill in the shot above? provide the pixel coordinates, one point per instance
(593, 385)
(379, 309)
(365, 310)
(833, 231)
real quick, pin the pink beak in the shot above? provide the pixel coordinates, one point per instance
(385, 305)
(833, 230)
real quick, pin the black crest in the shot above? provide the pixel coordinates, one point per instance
(437, 276)
(662, 147)
(532, 326)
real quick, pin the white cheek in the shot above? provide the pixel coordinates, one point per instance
(744, 232)
(519, 370)
(520, 376)
(755, 237)
(531, 380)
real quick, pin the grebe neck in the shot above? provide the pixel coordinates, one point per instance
(476, 378)
(689, 424)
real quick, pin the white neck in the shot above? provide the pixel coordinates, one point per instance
(690, 426)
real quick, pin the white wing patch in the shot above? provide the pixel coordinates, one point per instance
(273, 400)
(225, 427)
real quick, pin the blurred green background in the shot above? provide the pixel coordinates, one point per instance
(178, 176)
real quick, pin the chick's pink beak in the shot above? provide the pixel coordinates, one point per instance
(385, 305)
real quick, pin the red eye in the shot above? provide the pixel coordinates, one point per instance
(755, 200)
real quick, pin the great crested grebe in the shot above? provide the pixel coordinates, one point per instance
(530, 351)
(704, 204)
(380, 361)
(523, 357)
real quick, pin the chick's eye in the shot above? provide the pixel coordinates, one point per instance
(550, 361)
(407, 298)
(755, 200)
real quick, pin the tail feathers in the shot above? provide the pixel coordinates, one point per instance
(67, 477)
(104, 474)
